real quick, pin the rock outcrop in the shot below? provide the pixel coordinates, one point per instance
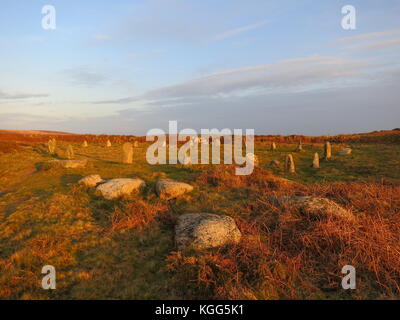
(345, 151)
(117, 188)
(91, 181)
(205, 230)
(168, 189)
(316, 206)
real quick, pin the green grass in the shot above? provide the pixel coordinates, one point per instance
(46, 218)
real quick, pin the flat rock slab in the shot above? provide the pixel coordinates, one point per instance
(69, 163)
(205, 230)
(316, 206)
(91, 181)
(117, 188)
(169, 189)
(344, 151)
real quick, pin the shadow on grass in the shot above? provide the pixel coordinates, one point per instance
(99, 159)
(70, 178)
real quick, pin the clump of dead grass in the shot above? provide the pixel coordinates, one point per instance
(286, 254)
(137, 214)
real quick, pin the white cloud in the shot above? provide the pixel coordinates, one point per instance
(21, 95)
(143, 54)
(84, 76)
(378, 45)
(237, 31)
(368, 36)
(283, 76)
(101, 37)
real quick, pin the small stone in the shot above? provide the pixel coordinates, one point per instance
(84, 144)
(275, 163)
(273, 146)
(116, 188)
(91, 181)
(345, 151)
(205, 230)
(108, 143)
(69, 164)
(168, 189)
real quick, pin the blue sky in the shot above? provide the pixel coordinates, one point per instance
(125, 67)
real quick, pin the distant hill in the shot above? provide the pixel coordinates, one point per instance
(35, 132)
(42, 136)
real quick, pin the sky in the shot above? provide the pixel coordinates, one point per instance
(128, 66)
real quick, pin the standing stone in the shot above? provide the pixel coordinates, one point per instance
(51, 145)
(186, 160)
(327, 151)
(315, 163)
(85, 144)
(251, 157)
(289, 164)
(299, 147)
(70, 152)
(108, 144)
(127, 150)
(136, 144)
(273, 146)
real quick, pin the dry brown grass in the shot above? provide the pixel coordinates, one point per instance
(287, 254)
(136, 214)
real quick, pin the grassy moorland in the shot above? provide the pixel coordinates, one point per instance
(124, 249)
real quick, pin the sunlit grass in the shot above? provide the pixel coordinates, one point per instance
(123, 249)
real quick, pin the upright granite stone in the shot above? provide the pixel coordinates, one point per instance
(252, 158)
(273, 146)
(70, 152)
(108, 143)
(299, 147)
(127, 153)
(205, 230)
(327, 151)
(315, 163)
(51, 146)
(289, 164)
